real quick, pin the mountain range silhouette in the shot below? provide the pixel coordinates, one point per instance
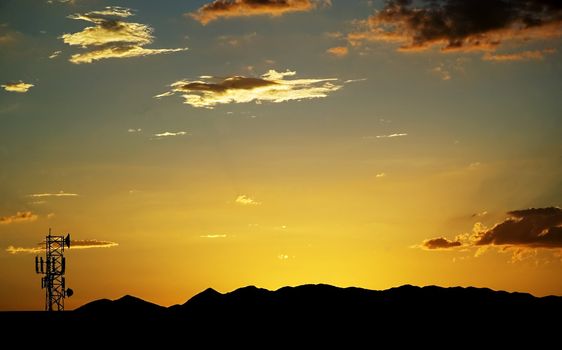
(313, 312)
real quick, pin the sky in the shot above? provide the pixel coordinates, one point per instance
(195, 144)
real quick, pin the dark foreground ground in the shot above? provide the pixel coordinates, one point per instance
(317, 314)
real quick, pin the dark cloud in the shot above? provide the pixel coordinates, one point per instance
(535, 227)
(460, 24)
(244, 8)
(236, 82)
(526, 228)
(440, 243)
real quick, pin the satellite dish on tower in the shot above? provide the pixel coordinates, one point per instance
(67, 240)
(69, 292)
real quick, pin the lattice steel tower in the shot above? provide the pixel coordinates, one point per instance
(53, 268)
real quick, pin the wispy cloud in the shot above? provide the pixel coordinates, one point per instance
(20, 216)
(454, 25)
(74, 244)
(442, 72)
(338, 51)
(380, 175)
(245, 8)
(111, 36)
(59, 194)
(170, 133)
(271, 87)
(131, 130)
(17, 86)
(237, 40)
(213, 236)
(55, 54)
(245, 200)
(391, 135)
(518, 56)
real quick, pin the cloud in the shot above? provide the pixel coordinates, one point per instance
(91, 243)
(480, 214)
(168, 134)
(55, 54)
(528, 228)
(111, 37)
(237, 40)
(442, 72)
(59, 194)
(20, 216)
(535, 227)
(74, 244)
(213, 236)
(245, 8)
(390, 135)
(349, 81)
(245, 200)
(17, 87)
(25, 250)
(457, 25)
(271, 86)
(8, 36)
(519, 56)
(380, 175)
(132, 130)
(440, 243)
(338, 51)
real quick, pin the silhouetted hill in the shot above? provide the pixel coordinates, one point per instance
(317, 313)
(126, 305)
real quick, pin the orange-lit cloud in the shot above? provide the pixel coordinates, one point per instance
(527, 228)
(245, 8)
(245, 200)
(518, 56)
(456, 25)
(338, 51)
(17, 87)
(271, 87)
(111, 37)
(74, 244)
(20, 216)
(440, 243)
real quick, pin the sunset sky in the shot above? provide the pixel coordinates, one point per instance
(195, 144)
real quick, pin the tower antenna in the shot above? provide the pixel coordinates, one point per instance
(52, 269)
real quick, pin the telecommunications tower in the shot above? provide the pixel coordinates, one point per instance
(53, 268)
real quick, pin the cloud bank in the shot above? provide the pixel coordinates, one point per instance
(245, 8)
(458, 25)
(111, 36)
(271, 87)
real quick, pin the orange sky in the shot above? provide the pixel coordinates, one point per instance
(302, 142)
